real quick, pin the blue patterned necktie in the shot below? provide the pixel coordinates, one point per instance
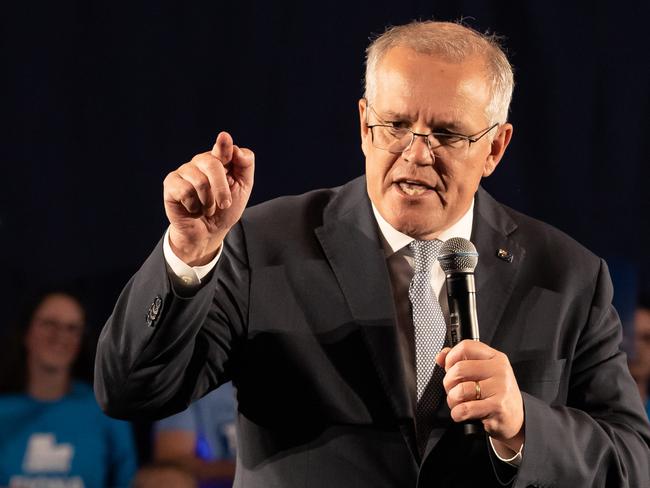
(430, 331)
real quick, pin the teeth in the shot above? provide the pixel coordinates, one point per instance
(412, 189)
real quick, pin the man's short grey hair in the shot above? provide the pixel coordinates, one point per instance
(453, 42)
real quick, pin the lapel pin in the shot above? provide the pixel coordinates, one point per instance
(504, 255)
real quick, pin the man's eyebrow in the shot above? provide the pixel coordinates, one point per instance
(389, 114)
(450, 125)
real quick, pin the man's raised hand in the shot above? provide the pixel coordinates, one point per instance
(206, 197)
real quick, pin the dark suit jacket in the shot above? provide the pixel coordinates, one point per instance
(299, 314)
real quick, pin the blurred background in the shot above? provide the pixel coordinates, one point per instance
(99, 102)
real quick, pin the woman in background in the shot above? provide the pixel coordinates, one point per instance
(53, 432)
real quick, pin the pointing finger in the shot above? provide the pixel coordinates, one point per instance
(223, 148)
(243, 166)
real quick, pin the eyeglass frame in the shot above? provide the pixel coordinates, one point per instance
(471, 139)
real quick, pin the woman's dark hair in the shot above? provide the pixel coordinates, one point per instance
(13, 354)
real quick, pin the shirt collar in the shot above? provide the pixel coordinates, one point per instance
(393, 240)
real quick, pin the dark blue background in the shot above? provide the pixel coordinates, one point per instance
(99, 102)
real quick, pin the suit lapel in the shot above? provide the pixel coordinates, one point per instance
(495, 275)
(349, 238)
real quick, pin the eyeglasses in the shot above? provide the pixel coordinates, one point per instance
(396, 139)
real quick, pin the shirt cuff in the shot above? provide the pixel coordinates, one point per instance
(185, 275)
(514, 461)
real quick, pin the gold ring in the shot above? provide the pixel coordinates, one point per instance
(477, 388)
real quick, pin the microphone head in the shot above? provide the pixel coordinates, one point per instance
(458, 255)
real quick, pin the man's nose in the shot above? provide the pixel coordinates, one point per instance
(419, 151)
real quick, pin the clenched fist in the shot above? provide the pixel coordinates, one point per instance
(206, 197)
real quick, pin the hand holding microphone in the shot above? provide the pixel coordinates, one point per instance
(458, 259)
(479, 380)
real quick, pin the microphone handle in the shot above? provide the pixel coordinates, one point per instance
(461, 295)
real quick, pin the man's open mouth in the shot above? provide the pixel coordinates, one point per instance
(413, 188)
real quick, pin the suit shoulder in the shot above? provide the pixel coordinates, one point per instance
(285, 226)
(547, 244)
(297, 214)
(290, 209)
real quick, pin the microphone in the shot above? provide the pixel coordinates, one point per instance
(458, 259)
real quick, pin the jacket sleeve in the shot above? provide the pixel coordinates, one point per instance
(601, 437)
(159, 350)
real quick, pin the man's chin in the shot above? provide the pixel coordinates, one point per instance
(416, 220)
(414, 225)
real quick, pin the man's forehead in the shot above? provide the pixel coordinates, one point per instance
(411, 86)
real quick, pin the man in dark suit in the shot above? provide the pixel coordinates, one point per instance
(307, 304)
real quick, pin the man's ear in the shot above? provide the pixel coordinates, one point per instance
(498, 148)
(363, 126)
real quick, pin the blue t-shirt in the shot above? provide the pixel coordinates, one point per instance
(647, 407)
(67, 443)
(212, 419)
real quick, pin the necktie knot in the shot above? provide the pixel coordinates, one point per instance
(425, 254)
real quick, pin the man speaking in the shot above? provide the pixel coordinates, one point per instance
(325, 309)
